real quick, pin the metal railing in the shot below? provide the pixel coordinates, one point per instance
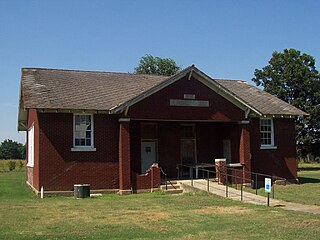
(166, 179)
(223, 178)
(257, 177)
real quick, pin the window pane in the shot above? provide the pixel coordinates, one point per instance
(77, 119)
(82, 134)
(88, 134)
(83, 119)
(82, 130)
(266, 131)
(187, 131)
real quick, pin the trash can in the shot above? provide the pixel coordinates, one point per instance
(81, 190)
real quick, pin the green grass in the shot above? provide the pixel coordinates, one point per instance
(306, 192)
(143, 216)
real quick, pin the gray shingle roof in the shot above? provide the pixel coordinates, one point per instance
(262, 101)
(91, 90)
(70, 89)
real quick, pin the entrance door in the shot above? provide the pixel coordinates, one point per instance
(188, 151)
(148, 155)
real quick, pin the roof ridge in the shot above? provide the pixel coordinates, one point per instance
(91, 71)
(222, 79)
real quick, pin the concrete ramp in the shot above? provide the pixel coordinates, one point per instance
(235, 194)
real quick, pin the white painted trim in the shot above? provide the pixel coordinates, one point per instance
(83, 149)
(220, 160)
(188, 103)
(265, 147)
(30, 162)
(244, 122)
(124, 120)
(234, 165)
(92, 133)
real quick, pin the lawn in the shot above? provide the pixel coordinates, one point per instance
(143, 216)
(306, 192)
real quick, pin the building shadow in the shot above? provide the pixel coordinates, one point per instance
(303, 180)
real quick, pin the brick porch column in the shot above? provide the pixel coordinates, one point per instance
(221, 170)
(124, 156)
(244, 150)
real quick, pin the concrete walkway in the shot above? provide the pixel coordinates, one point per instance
(220, 190)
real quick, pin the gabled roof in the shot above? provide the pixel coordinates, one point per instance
(58, 89)
(266, 103)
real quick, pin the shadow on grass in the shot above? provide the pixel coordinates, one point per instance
(309, 169)
(303, 180)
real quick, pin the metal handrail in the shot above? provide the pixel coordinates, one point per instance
(165, 177)
(273, 178)
(233, 176)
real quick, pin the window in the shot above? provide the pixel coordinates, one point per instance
(31, 146)
(83, 131)
(266, 132)
(187, 131)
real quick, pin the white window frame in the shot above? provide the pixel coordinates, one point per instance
(267, 146)
(83, 148)
(31, 146)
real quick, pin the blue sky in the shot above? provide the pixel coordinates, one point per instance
(225, 39)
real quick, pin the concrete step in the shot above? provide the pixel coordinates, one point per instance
(170, 181)
(173, 187)
(169, 186)
(174, 191)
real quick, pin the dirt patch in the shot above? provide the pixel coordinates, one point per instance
(223, 210)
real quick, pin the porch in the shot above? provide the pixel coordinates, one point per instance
(171, 144)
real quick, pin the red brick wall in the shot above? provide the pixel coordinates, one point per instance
(33, 173)
(124, 156)
(158, 106)
(281, 161)
(244, 150)
(146, 181)
(60, 168)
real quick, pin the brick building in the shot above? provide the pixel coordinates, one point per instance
(108, 129)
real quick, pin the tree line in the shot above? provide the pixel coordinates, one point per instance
(12, 150)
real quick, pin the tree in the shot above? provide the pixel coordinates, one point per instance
(156, 65)
(292, 77)
(12, 150)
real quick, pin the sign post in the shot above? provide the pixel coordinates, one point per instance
(267, 188)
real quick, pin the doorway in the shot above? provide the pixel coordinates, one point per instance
(148, 155)
(188, 151)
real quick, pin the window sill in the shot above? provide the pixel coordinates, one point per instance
(268, 147)
(29, 166)
(83, 149)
